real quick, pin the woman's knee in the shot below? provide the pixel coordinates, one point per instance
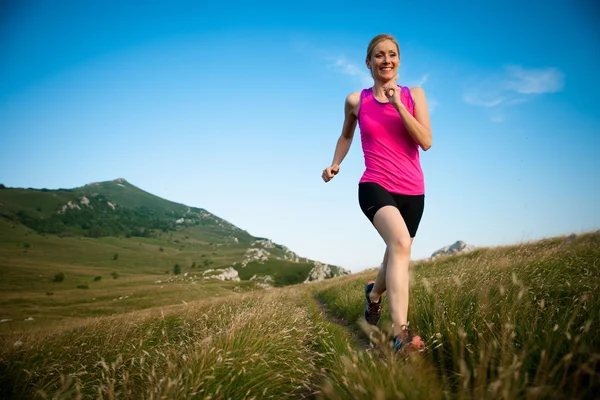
(399, 245)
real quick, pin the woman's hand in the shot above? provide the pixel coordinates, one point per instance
(330, 172)
(392, 92)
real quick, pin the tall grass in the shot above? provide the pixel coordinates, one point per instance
(515, 322)
(518, 322)
(251, 346)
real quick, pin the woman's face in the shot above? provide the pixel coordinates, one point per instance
(384, 61)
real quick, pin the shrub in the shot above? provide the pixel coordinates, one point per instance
(176, 269)
(95, 232)
(84, 286)
(26, 245)
(161, 249)
(115, 256)
(114, 275)
(59, 277)
(96, 279)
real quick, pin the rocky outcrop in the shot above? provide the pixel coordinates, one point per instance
(70, 205)
(263, 281)
(83, 202)
(255, 255)
(458, 247)
(323, 271)
(262, 278)
(227, 274)
(264, 243)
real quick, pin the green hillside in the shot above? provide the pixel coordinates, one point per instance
(113, 208)
(111, 239)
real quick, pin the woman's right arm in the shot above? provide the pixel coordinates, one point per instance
(343, 144)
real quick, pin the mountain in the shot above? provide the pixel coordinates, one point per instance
(119, 209)
(457, 247)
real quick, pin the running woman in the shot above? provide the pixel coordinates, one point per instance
(394, 123)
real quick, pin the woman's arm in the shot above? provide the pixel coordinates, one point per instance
(348, 128)
(345, 140)
(419, 126)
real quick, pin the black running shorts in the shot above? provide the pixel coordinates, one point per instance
(372, 197)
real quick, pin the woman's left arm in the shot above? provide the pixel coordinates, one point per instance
(419, 126)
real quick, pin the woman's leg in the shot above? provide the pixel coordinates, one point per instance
(379, 287)
(389, 223)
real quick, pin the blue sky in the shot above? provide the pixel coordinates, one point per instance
(236, 108)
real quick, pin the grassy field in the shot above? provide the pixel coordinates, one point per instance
(517, 322)
(118, 249)
(29, 262)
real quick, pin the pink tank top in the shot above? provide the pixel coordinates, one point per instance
(391, 154)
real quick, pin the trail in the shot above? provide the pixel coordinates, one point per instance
(358, 341)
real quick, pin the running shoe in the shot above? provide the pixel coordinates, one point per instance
(373, 309)
(408, 342)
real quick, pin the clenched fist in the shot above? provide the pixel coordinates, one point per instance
(392, 92)
(330, 172)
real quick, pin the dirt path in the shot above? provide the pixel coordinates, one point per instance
(358, 341)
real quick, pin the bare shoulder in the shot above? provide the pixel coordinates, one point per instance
(417, 92)
(353, 99)
(352, 103)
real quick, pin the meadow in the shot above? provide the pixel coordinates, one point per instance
(513, 322)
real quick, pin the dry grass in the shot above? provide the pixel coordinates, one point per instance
(503, 323)
(250, 346)
(513, 322)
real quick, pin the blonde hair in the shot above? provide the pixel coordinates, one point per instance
(378, 39)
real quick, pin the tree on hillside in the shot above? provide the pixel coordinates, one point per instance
(95, 232)
(176, 269)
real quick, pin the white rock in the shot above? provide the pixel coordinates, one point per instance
(457, 247)
(322, 271)
(262, 278)
(5, 320)
(227, 274)
(263, 285)
(29, 319)
(255, 255)
(265, 243)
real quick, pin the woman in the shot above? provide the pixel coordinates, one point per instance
(394, 124)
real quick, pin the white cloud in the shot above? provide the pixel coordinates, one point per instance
(482, 99)
(343, 66)
(423, 80)
(535, 81)
(515, 85)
